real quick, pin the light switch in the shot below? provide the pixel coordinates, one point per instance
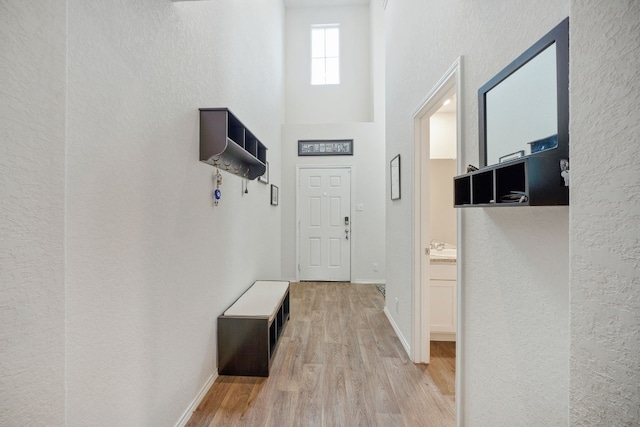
(359, 207)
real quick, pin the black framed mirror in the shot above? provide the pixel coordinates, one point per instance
(524, 109)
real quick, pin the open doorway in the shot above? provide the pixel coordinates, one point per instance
(441, 220)
(437, 227)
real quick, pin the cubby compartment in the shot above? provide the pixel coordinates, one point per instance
(235, 130)
(251, 144)
(280, 322)
(273, 337)
(511, 184)
(482, 187)
(286, 309)
(462, 190)
(262, 154)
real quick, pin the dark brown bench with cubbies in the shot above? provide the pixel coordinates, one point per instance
(249, 330)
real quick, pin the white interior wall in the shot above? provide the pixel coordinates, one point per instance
(442, 136)
(378, 65)
(32, 133)
(603, 277)
(368, 190)
(605, 213)
(442, 214)
(313, 115)
(442, 168)
(515, 267)
(151, 262)
(351, 100)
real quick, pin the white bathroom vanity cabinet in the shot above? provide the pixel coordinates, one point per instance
(443, 300)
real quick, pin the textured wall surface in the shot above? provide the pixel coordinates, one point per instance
(368, 185)
(515, 267)
(367, 244)
(151, 262)
(442, 136)
(32, 120)
(351, 100)
(605, 213)
(442, 214)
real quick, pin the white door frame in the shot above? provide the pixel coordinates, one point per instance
(431, 103)
(351, 234)
(421, 324)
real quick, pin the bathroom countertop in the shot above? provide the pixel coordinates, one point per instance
(442, 260)
(443, 256)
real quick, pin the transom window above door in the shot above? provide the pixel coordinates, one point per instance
(325, 54)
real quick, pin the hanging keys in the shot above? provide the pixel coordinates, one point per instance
(217, 194)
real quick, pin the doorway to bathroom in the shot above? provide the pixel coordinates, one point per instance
(442, 220)
(437, 142)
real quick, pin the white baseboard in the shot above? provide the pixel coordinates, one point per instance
(403, 341)
(194, 405)
(368, 282)
(356, 281)
(443, 336)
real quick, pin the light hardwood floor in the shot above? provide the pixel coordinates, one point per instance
(339, 363)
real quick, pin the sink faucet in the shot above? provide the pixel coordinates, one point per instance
(438, 246)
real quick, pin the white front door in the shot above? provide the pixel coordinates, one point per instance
(324, 232)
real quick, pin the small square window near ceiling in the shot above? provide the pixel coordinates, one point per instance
(325, 54)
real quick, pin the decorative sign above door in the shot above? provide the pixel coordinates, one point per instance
(325, 147)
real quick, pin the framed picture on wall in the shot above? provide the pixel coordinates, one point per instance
(325, 147)
(395, 177)
(274, 195)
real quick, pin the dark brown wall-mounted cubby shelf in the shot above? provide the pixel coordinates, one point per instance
(537, 177)
(227, 144)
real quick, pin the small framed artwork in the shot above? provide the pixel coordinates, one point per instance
(395, 177)
(265, 176)
(274, 195)
(325, 147)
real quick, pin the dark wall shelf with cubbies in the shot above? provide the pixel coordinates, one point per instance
(536, 178)
(229, 145)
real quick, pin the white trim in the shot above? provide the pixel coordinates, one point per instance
(395, 327)
(368, 282)
(460, 251)
(447, 79)
(186, 416)
(354, 281)
(443, 336)
(441, 83)
(421, 328)
(352, 172)
(429, 105)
